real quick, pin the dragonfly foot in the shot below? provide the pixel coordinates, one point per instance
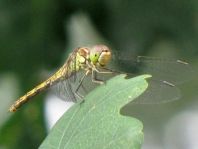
(82, 101)
(98, 81)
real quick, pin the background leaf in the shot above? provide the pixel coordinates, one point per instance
(97, 121)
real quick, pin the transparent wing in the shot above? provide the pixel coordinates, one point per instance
(166, 74)
(173, 71)
(169, 70)
(65, 88)
(65, 91)
(162, 86)
(158, 92)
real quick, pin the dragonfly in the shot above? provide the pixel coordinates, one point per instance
(88, 64)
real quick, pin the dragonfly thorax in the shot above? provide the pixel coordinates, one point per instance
(82, 58)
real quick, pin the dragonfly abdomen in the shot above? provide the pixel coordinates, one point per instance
(54, 79)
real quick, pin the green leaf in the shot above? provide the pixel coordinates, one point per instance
(97, 123)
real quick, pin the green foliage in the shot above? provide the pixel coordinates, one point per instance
(24, 129)
(97, 123)
(34, 34)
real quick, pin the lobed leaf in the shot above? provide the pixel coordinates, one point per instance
(97, 122)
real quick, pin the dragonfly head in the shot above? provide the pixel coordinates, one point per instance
(100, 55)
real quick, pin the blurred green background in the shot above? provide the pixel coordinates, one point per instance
(36, 36)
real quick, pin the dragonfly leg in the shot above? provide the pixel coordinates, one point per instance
(79, 96)
(99, 71)
(94, 78)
